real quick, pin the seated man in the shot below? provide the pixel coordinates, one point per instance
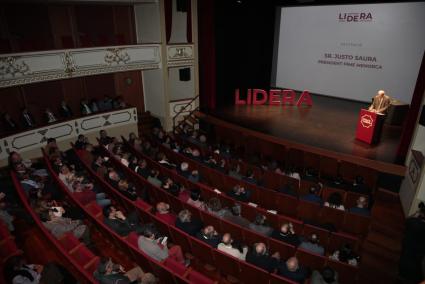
(104, 139)
(195, 199)
(327, 275)
(209, 236)
(293, 271)
(236, 218)
(119, 223)
(81, 142)
(361, 207)
(157, 247)
(142, 168)
(184, 169)
(108, 272)
(113, 178)
(239, 193)
(287, 235)
(127, 189)
(235, 172)
(163, 213)
(214, 207)
(58, 225)
(153, 178)
(259, 257)
(259, 226)
(313, 245)
(187, 224)
(226, 247)
(313, 195)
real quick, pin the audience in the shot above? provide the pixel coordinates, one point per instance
(312, 245)
(259, 226)
(153, 178)
(9, 123)
(293, 271)
(163, 213)
(187, 224)
(195, 199)
(236, 218)
(209, 235)
(214, 207)
(64, 110)
(313, 195)
(260, 257)
(335, 201)
(27, 118)
(361, 207)
(108, 272)
(227, 247)
(239, 193)
(121, 224)
(5, 216)
(156, 247)
(345, 254)
(326, 276)
(250, 177)
(287, 235)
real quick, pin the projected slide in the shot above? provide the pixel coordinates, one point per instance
(350, 51)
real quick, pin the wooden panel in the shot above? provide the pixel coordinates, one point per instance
(328, 167)
(129, 86)
(100, 85)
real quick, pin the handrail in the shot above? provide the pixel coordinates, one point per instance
(183, 109)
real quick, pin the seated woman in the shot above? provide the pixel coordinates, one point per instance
(335, 201)
(345, 254)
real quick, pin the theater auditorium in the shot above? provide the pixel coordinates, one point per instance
(212, 141)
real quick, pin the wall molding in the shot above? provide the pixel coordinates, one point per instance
(180, 55)
(70, 129)
(24, 68)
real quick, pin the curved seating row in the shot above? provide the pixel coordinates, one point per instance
(232, 267)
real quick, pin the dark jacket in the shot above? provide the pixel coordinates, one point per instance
(265, 262)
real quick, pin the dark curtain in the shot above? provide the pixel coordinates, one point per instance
(206, 39)
(412, 115)
(168, 7)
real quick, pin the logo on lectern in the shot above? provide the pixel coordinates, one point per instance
(366, 121)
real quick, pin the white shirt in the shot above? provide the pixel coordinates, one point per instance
(233, 251)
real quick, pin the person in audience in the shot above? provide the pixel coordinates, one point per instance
(85, 108)
(335, 201)
(214, 207)
(8, 123)
(118, 103)
(59, 225)
(17, 271)
(113, 178)
(108, 272)
(129, 190)
(27, 118)
(260, 257)
(187, 224)
(326, 276)
(195, 199)
(64, 110)
(162, 160)
(227, 247)
(361, 207)
(104, 139)
(236, 218)
(49, 116)
(313, 245)
(313, 195)
(142, 168)
(259, 226)
(157, 248)
(153, 178)
(169, 185)
(5, 216)
(359, 186)
(93, 106)
(209, 236)
(291, 172)
(121, 224)
(292, 270)
(183, 170)
(105, 104)
(239, 193)
(250, 177)
(235, 172)
(196, 155)
(98, 165)
(287, 234)
(81, 142)
(163, 213)
(345, 254)
(311, 174)
(338, 182)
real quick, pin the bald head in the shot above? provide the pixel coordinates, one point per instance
(162, 207)
(260, 248)
(227, 239)
(292, 264)
(381, 92)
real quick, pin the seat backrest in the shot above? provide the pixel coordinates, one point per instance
(202, 251)
(308, 211)
(197, 278)
(287, 204)
(277, 279)
(323, 234)
(176, 267)
(356, 224)
(227, 264)
(285, 250)
(253, 274)
(346, 273)
(332, 216)
(181, 238)
(338, 239)
(311, 260)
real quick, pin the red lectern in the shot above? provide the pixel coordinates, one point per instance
(369, 126)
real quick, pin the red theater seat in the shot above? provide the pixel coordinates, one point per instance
(277, 279)
(356, 224)
(346, 273)
(253, 274)
(308, 211)
(311, 260)
(197, 278)
(175, 266)
(228, 265)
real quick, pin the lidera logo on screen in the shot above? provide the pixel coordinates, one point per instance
(355, 17)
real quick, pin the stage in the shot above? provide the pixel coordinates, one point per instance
(329, 124)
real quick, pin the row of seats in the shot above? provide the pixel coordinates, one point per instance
(79, 257)
(284, 204)
(331, 241)
(128, 244)
(208, 255)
